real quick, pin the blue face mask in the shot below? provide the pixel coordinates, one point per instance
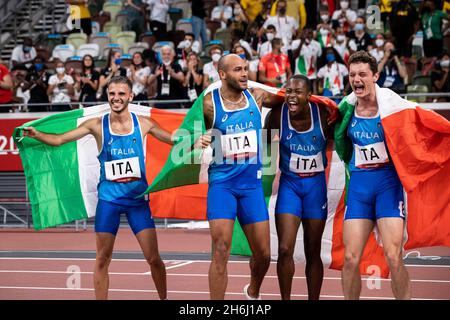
(39, 66)
(118, 61)
(359, 26)
(331, 57)
(242, 55)
(26, 49)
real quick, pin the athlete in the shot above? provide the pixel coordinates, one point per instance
(375, 193)
(119, 136)
(233, 113)
(302, 193)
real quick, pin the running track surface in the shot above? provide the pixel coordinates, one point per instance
(42, 265)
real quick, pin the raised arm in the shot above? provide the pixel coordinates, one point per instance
(91, 126)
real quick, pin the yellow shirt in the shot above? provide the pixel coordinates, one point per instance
(79, 12)
(252, 8)
(295, 9)
(385, 6)
(446, 6)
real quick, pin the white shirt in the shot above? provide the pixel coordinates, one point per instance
(349, 14)
(60, 95)
(335, 76)
(211, 71)
(158, 10)
(377, 54)
(20, 56)
(285, 26)
(310, 53)
(139, 74)
(266, 47)
(217, 11)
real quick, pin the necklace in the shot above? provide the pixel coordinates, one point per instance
(232, 102)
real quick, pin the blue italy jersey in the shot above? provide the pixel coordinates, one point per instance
(236, 143)
(302, 153)
(369, 147)
(122, 165)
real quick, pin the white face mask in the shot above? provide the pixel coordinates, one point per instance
(187, 43)
(215, 57)
(60, 70)
(344, 5)
(324, 17)
(379, 42)
(167, 63)
(270, 36)
(340, 38)
(324, 32)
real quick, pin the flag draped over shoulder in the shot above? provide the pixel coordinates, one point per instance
(419, 144)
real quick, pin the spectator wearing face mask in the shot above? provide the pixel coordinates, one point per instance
(286, 26)
(138, 74)
(392, 71)
(60, 89)
(6, 88)
(378, 51)
(274, 68)
(324, 30)
(359, 36)
(333, 75)
(185, 47)
(23, 54)
(266, 46)
(340, 44)
(87, 81)
(210, 68)
(223, 11)
(37, 80)
(169, 78)
(111, 70)
(345, 17)
(252, 67)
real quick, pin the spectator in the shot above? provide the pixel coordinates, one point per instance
(274, 68)
(185, 47)
(210, 68)
(393, 73)
(266, 47)
(169, 78)
(286, 26)
(324, 29)
(223, 12)
(333, 74)
(111, 70)
(433, 42)
(294, 9)
(378, 51)
(344, 17)
(87, 81)
(359, 36)
(193, 81)
(252, 8)
(6, 88)
(139, 73)
(37, 83)
(253, 39)
(263, 14)
(80, 17)
(198, 20)
(404, 23)
(386, 9)
(305, 53)
(245, 55)
(60, 89)
(158, 18)
(238, 22)
(340, 44)
(23, 54)
(440, 77)
(135, 17)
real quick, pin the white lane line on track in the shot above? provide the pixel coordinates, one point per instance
(197, 292)
(203, 275)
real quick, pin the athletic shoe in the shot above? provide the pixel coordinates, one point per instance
(247, 296)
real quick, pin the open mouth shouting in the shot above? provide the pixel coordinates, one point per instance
(358, 88)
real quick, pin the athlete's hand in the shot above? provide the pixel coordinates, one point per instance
(203, 142)
(29, 132)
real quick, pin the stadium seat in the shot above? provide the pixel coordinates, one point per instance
(121, 19)
(75, 63)
(224, 35)
(76, 39)
(95, 27)
(92, 49)
(113, 7)
(63, 52)
(112, 27)
(175, 14)
(112, 46)
(102, 39)
(102, 19)
(417, 51)
(125, 39)
(53, 39)
(183, 5)
(184, 24)
(148, 37)
(138, 47)
(417, 88)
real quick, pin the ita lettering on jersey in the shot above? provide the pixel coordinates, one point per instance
(124, 170)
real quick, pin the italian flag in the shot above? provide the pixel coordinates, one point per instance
(305, 65)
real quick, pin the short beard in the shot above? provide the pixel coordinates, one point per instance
(234, 85)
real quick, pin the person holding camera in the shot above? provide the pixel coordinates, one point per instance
(37, 83)
(392, 71)
(87, 81)
(440, 76)
(111, 70)
(60, 89)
